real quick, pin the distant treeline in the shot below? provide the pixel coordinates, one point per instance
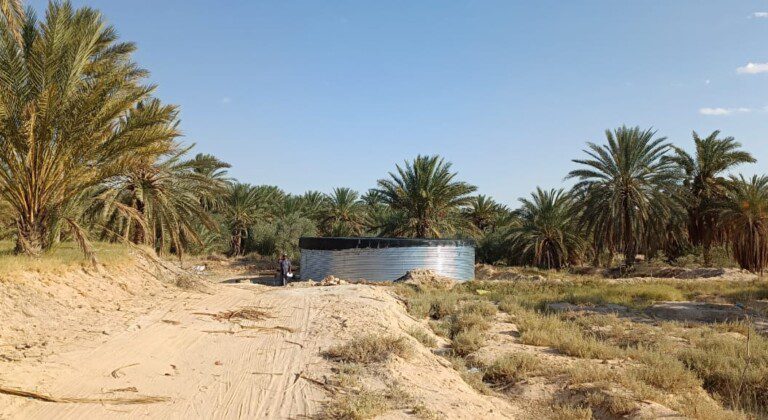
(87, 152)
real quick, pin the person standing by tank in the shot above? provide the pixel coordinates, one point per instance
(285, 269)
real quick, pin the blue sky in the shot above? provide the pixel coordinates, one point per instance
(310, 95)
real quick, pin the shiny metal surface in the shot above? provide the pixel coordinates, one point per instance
(383, 264)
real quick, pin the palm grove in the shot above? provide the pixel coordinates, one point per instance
(88, 153)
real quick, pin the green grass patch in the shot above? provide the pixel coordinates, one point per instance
(65, 255)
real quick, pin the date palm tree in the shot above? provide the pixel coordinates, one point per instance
(74, 114)
(546, 235)
(426, 199)
(744, 216)
(214, 170)
(485, 213)
(162, 203)
(314, 205)
(344, 213)
(707, 185)
(377, 212)
(244, 205)
(625, 186)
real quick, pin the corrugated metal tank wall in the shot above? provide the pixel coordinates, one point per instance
(376, 259)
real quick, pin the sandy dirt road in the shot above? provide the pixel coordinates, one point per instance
(218, 369)
(207, 368)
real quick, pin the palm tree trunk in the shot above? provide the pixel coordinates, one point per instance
(630, 251)
(707, 251)
(236, 244)
(30, 238)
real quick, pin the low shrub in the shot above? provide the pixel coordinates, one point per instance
(550, 331)
(467, 342)
(664, 372)
(363, 405)
(370, 349)
(466, 322)
(570, 412)
(512, 368)
(473, 378)
(721, 362)
(423, 336)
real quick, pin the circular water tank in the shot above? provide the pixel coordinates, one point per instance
(385, 259)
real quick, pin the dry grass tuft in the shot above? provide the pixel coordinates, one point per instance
(467, 342)
(421, 411)
(721, 361)
(614, 402)
(473, 377)
(370, 349)
(665, 372)
(512, 368)
(423, 336)
(570, 412)
(551, 331)
(363, 405)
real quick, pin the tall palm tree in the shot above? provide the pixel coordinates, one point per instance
(344, 214)
(426, 199)
(744, 215)
(244, 205)
(546, 235)
(484, 212)
(706, 184)
(74, 114)
(377, 213)
(161, 203)
(215, 170)
(626, 185)
(314, 204)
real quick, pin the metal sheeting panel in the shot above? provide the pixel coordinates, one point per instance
(384, 264)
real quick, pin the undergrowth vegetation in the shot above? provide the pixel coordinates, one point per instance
(63, 257)
(620, 360)
(370, 349)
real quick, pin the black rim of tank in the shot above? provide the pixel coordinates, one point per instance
(335, 244)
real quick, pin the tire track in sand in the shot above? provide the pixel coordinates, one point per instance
(250, 374)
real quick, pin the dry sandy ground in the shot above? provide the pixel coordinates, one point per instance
(203, 367)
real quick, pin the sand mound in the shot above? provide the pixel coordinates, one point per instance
(490, 272)
(701, 273)
(331, 281)
(427, 278)
(43, 311)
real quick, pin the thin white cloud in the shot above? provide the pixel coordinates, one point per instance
(723, 111)
(226, 100)
(753, 68)
(759, 15)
